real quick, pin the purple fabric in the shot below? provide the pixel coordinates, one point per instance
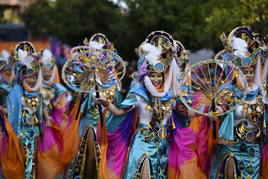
(118, 143)
(4, 143)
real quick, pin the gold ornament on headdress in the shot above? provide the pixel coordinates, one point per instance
(25, 46)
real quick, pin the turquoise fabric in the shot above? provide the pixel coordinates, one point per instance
(27, 134)
(225, 130)
(247, 155)
(249, 162)
(156, 150)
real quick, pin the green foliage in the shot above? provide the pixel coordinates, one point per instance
(196, 23)
(232, 13)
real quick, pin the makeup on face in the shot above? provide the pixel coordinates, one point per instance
(31, 79)
(47, 73)
(157, 79)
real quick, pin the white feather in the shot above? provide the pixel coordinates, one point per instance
(152, 53)
(47, 57)
(4, 56)
(95, 45)
(27, 61)
(240, 47)
(22, 55)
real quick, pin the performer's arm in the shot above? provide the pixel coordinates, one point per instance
(111, 107)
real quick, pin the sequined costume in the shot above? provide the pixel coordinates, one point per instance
(151, 133)
(243, 132)
(89, 118)
(55, 99)
(24, 117)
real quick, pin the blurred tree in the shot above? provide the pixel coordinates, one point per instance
(72, 20)
(226, 15)
(196, 23)
(183, 19)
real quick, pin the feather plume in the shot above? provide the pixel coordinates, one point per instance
(240, 47)
(152, 53)
(95, 45)
(47, 57)
(22, 55)
(4, 56)
(25, 59)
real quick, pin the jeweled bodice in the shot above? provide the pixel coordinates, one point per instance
(30, 109)
(146, 110)
(248, 119)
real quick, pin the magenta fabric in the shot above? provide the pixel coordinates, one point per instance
(202, 143)
(180, 150)
(118, 143)
(52, 136)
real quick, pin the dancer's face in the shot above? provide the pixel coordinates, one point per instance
(249, 73)
(156, 79)
(8, 72)
(47, 73)
(31, 79)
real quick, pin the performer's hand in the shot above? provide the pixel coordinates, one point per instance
(102, 101)
(191, 113)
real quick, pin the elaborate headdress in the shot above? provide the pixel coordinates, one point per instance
(158, 55)
(182, 55)
(99, 41)
(28, 63)
(47, 58)
(25, 46)
(245, 49)
(48, 61)
(4, 60)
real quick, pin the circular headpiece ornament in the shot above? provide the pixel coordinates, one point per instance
(160, 39)
(241, 32)
(213, 87)
(158, 49)
(99, 37)
(25, 46)
(242, 47)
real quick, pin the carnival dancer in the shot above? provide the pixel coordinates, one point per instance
(7, 77)
(24, 125)
(56, 100)
(144, 121)
(86, 162)
(242, 133)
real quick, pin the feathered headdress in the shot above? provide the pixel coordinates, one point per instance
(246, 49)
(4, 59)
(158, 55)
(47, 58)
(29, 62)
